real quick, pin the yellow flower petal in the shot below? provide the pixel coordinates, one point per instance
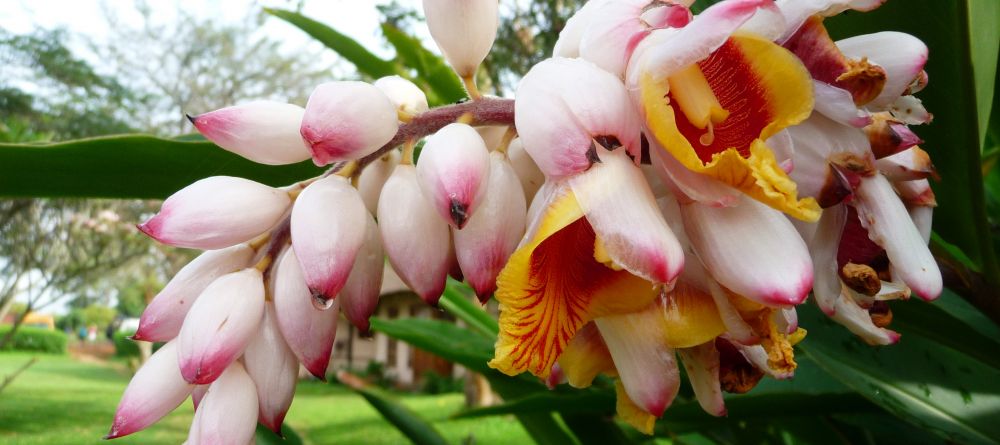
(690, 317)
(552, 286)
(586, 357)
(630, 413)
(764, 89)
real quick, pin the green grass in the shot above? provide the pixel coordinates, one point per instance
(61, 401)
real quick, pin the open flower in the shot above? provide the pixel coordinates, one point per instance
(712, 98)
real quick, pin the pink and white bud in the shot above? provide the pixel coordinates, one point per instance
(415, 238)
(217, 212)
(360, 295)
(405, 95)
(265, 132)
(453, 170)
(771, 267)
(464, 30)
(645, 364)
(220, 324)
(328, 227)
(162, 318)
(155, 390)
(274, 369)
(527, 172)
(308, 329)
(492, 235)
(347, 120)
(228, 412)
(561, 128)
(373, 177)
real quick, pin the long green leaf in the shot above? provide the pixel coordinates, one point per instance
(928, 384)
(961, 36)
(459, 304)
(264, 436)
(366, 62)
(438, 79)
(406, 421)
(128, 166)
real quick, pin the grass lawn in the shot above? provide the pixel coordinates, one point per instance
(62, 401)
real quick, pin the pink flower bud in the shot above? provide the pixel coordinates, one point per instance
(491, 236)
(228, 413)
(217, 212)
(561, 128)
(464, 30)
(407, 97)
(453, 169)
(328, 226)
(220, 324)
(347, 120)
(360, 295)
(265, 132)
(274, 370)
(162, 319)
(373, 177)
(155, 390)
(415, 238)
(308, 330)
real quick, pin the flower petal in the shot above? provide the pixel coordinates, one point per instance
(309, 330)
(821, 146)
(610, 38)
(771, 267)
(220, 325)
(217, 212)
(645, 364)
(690, 317)
(530, 176)
(347, 120)
(453, 170)
(415, 238)
(585, 357)
(702, 365)
(464, 30)
(274, 369)
(689, 184)
(552, 286)
(838, 104)
(613, 191)
(264, 131)
(405, 95)
(155, 390)
(327, 228)
(228, 413)
(907, 165)
(162, 318)
(759, 89)
(373, 177)
(492, 234)
(824, 248)
(559, 126)
(568, 43)
(859, 321)
(889, 225)
(360, 295)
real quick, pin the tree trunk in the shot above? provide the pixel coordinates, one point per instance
(13, 329)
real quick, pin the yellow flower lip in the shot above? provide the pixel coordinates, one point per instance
(756, 89)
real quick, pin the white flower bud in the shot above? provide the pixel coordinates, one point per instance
(347, 120)
(464, 30)
(407, 97)
(264, 131)
(453, 170)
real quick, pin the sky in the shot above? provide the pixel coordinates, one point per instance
(356, 18)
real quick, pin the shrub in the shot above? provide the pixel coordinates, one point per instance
(29, 338)
(434, 383)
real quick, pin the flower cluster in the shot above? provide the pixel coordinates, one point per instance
(690, 179)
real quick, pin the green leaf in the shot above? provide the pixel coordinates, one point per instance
(960, 35)
(927, 383)
(437, 78)
(366, 62)
(457, 300)
(407, 422)
(128, 166)
(265, 436)
(563, 400)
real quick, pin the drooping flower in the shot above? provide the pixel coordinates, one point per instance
(359, 297)
(155, 390)
(453, 171)
(228, 412)
(274, 369)
(464, 30)
(307, 329)
(328, 229)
